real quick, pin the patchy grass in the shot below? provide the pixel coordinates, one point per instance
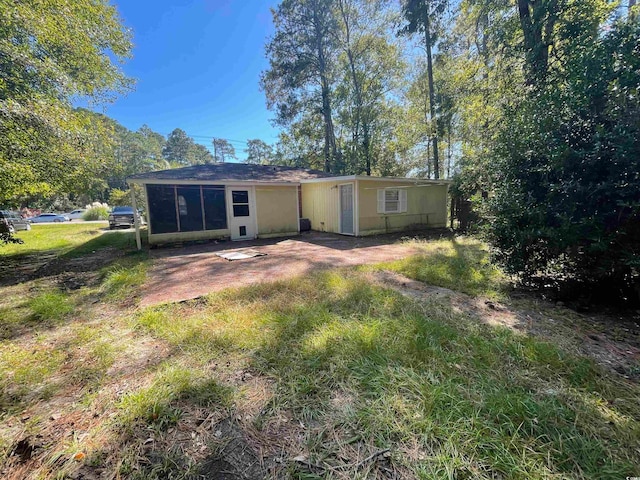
(314, 377)
(460, 264)
(69, 240)
(451, 398)
(41, 308)
(14, 310)
(50, 307)
(27, 374)
(123, 277)
(107, 239)
(98, 350)
(156, 405)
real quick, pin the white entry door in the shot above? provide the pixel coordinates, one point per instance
(241, 206)
(346, 209)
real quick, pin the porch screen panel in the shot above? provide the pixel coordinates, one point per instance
(162, 208)
(189, 208)
(215, 209)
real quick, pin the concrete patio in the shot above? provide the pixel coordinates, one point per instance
(181, 273)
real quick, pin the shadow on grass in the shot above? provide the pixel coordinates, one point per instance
(68, 294)
(468, 392)
(473, 400)
(119, 240)
(88, 256)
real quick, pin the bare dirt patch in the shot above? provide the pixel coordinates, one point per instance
(233, 457)
(23, 268)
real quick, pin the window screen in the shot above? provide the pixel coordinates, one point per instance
(162, 208)
(240, 196)
(215, 211)
(392, 200)
(190, 208)
(241, 210)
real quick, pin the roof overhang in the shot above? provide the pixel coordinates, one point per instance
(164, 181)
(415, 181)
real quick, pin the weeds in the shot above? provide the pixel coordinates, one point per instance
(96, 347)
(120, 280)
(27, 375)
(50, 307)
(156, 406)
(348, 369)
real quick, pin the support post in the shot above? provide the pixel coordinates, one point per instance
(136, 218)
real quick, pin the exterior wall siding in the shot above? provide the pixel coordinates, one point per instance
(187, 236)
(277, 209)
(320, 204)
(426, 207)
(276, 215)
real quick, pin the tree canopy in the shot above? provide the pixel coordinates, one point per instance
(533, 103)
(52, 52)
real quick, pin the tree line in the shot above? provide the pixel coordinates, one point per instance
(531, 106)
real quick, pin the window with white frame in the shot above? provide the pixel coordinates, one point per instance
(392, 200)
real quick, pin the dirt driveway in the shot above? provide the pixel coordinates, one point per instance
(181, 273)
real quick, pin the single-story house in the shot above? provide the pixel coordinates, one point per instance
(239, 201)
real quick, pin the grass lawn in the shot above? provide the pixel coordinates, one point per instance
(74, 239)
(460, 264)
(328, 376)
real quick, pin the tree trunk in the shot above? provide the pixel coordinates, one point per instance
(432, 95)
(330, 149)
(428, 158)
(449, 150)
(537, 36)
(356, 88)
(366, 146)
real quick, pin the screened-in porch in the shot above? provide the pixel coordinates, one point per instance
(186, 208)
(221, 201)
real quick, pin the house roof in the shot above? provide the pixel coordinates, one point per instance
(230, 172)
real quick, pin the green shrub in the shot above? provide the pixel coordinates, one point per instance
(119, 197)
(566, 206)
(96, 213)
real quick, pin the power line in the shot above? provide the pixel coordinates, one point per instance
(211, 137)
(220, 138)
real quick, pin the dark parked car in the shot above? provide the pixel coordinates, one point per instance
(122, 217)
(14, 221)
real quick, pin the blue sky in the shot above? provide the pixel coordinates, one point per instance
(197, 65)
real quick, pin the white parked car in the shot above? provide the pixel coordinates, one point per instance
(49, 217)
(76, 214)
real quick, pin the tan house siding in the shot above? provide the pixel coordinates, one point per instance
(156, 238)
(320, 205)
(426, 206)
(277, 209)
